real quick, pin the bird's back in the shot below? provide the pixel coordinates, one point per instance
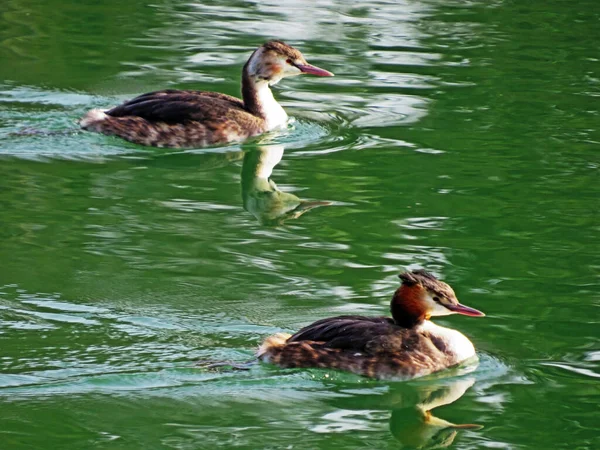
(174, 118)
(175, 106)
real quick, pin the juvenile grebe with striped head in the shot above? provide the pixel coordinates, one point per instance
(174, 118)
(407, 345)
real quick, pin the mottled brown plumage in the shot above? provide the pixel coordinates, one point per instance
(407, 345)
(173, 118)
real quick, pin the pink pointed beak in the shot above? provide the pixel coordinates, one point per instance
(313, 70)
(465, 310)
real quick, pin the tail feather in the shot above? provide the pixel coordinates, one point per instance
(271, 345)
(91, 117)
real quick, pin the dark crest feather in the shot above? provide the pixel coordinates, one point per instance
(283, 49)
(420, 276)
(407, 278)
(428, 281)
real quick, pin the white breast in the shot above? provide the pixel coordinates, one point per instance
(456, 342)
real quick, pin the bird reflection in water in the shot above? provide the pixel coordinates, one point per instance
(416, 427)
(411, 422)
(261, 196)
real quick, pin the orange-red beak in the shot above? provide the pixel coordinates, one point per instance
(464, 310)
(313, 70)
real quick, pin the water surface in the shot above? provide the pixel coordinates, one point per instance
(458, 136)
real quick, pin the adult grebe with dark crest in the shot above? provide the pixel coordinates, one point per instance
(407, 345)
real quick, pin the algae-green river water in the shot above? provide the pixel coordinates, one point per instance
(458, 136)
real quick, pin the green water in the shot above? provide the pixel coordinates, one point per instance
(462, 137)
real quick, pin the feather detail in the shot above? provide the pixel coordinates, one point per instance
(370, 346)
(185, 118)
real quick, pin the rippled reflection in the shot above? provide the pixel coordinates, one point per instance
(411, 421)
(416, 426)
(261, 196)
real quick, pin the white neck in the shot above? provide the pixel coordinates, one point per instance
(274, 115)
(269, 157)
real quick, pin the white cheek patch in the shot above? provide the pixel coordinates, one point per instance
(290, 71)
(435, 308)
(279, 67)
(440, 310)
(282, 69)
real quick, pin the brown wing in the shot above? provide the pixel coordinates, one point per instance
(174, 106)
(357, 333)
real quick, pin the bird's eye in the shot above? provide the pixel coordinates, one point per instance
(289, 61)
(436, 299)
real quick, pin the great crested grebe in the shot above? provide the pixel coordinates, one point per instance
(173, 118)
(408, 345)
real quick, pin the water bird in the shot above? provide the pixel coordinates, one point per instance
(407, 345)
(186, 118)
